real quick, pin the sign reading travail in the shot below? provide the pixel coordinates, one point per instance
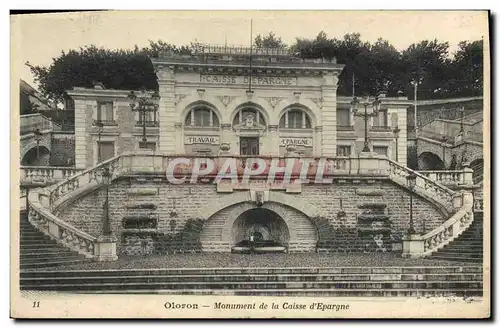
(212, 140)
(256, 80)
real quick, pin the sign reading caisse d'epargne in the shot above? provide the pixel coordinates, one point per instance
(304, 142)
(256, 80)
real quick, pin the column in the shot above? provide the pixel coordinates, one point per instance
(167, 111)
(318, 131)
(274, 141)
(403, 135)
(329, 134)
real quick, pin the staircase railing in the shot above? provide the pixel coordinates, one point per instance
(454, 178)
(45, 174)
(44, 202)
(459, 204)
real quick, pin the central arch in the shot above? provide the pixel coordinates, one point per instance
(263, 224)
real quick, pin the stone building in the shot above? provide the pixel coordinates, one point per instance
(217, 96)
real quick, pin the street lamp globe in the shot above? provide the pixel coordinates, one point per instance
(132, 99)
(396, 132)
(411, 179)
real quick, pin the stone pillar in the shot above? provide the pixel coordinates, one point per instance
(81, 133)
(467, 176)
(329, 115)
(274, 139)
(413, 246)
(318, 131)
(105, 248)
(179, 144)
(167, 111)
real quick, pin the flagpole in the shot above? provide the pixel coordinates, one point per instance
(251, 50)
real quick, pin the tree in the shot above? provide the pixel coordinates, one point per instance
(116, 69)
(269, 41)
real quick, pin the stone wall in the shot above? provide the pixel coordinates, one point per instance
(180, 203)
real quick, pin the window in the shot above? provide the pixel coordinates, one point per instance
(149, 117)
(381, 150)
(106, 150)
(295, 119)
(381, 119)
(344, 151)
(201, 116)
(343, 117)
(245, 113)
(105, 112)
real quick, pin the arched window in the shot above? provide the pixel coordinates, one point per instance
(201, 116)
(295, 119)
(245, 112)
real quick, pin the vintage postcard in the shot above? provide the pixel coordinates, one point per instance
(250, 164)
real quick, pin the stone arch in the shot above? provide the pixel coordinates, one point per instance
(309, 112)
(428, 161)
(29, 157)
(186, 103)
(197, 103)
(212, 208)
(263, 106)
(311, 108)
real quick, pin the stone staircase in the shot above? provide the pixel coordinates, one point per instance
(468, 247)
(462, 281)
(37, 250)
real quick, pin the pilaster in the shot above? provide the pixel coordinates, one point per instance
(329, 134)
(80, 134)
(318, 132)
(274, 147)
(167, 112)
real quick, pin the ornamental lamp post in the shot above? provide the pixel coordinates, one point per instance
(375, 107)
(143, 104)
(411, 180)
(100, 129)
(462, 112)
(444, 139)
(396, 136)
(38, 138)
(105, 179)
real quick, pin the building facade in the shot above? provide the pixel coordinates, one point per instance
(216, 98)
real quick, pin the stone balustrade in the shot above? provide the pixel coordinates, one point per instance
(451, 178)
(45, 175)
(31, 122)
(44, 202)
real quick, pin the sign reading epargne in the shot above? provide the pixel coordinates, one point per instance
(256, 80)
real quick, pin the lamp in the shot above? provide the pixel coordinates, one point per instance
(38, 138)
(144, 103)
(411, 180)
(396, 136)
(375, 105)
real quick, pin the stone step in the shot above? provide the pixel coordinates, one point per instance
(250, 278)
(49, 263)
(50, 258)
(308, 292)
(473, 269)
(456, 258)
(259, 285)
(459, 255)
(55, 252)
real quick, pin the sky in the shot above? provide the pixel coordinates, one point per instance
(39, 38)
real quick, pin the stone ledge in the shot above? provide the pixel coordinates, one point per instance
(369, 192)
(142, 191)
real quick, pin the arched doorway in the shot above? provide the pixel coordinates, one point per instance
(428, 161)
(262, 226)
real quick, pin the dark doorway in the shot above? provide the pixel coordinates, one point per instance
(249, 146)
